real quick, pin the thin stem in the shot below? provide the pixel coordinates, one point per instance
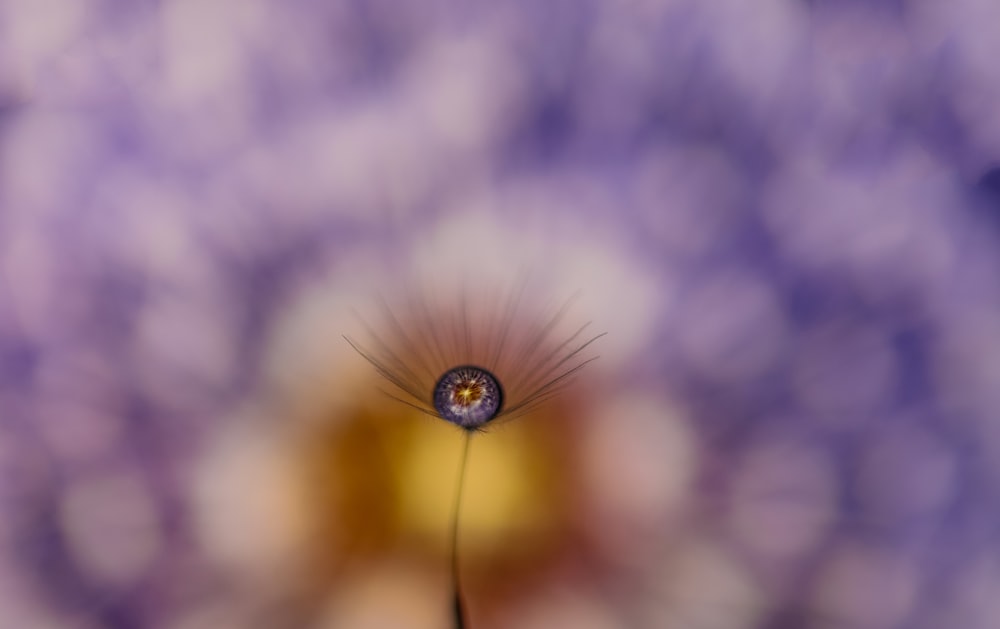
(458, 606)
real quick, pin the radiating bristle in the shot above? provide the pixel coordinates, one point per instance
(528, 358)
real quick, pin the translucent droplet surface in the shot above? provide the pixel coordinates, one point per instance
(468, 396)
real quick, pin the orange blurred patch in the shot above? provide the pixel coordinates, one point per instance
(381, 484)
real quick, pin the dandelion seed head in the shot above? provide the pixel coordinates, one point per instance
(447, 355)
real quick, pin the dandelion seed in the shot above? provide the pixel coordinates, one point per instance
(471, 366)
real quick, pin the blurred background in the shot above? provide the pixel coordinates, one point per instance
(785, 214)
